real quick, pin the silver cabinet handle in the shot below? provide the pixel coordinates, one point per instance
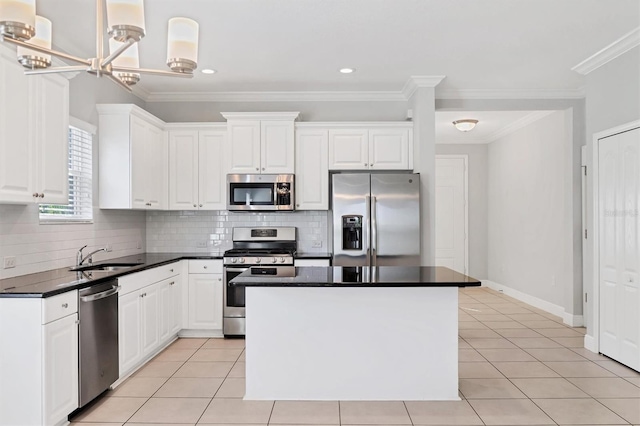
(200, 205)
(219, 279)
(172, 283)
(171, 270)
(194, 205)
(205, 266)
(365, 164)
(257, 169)
(42, 195)
(65, 305)
(263, 169)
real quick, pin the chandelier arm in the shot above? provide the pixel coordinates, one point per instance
(99, 29)
(54, 70)
(106, 61)
(119, 82)
(47, 51)
(151, 71)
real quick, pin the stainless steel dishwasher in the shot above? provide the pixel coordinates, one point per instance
(98, 339)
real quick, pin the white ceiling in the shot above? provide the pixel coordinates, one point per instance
(299, 45)
(491, 125)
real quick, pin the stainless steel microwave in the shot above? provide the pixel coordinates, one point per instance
(260, 192)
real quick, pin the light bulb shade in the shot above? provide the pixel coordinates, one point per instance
(18, 18)
(30, 58)
(182, 45)
(465, 125)
(125, 19)
(129, 58)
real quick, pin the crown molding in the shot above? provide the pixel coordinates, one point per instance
(289, 116)
(609, 53)
(511, 93)
(417, 81)
(517, 125)
(276, 97)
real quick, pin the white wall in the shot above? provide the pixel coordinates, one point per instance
(529, 210)
(41, 247)
(613, 99)
(193, 231)
(477, 208)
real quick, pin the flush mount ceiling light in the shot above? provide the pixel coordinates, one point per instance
(125, 27)
(465, 125)
(347, 70)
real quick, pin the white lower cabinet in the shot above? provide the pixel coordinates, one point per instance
(312, 262)
(149, 312)
(38, 360)
(205, 295)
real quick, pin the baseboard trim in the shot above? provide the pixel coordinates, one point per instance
(567, 318)
(200, 333)
(590, 343)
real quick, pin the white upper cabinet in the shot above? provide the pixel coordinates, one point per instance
(133, 159)
(196, 168)
(260, 142)
(312, 171)
(371, 146)
(34, 121)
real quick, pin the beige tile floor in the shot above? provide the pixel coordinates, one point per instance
(518, 366)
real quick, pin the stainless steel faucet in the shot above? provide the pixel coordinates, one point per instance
(80, 260)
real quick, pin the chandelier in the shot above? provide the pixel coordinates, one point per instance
(20, 25)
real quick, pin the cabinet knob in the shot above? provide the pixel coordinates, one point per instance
(200, 205)
(297, 205)
(65, 305)
(170, 270)
(42, 195)
(172, 283)
(371, 165)
(219, 279)
(35, 194)
(263, 169)
(194, 205)
(205, 266)
(257, 169)
(365, 164)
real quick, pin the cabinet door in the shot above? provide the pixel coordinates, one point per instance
(165, 306)
(138, 163)
(244, 146)
(150, 319)
(312, 177)
(175, 325)
(52, 146)
(212, 183)
(276, 147)
(156, 165)
(129, 330)
(389, 149)
(17, 157)
(183, 170)
(205, 301)
(60, 369)
(348, 149)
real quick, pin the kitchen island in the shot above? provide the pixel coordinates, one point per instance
(352, 333)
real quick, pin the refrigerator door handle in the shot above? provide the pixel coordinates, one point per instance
(374, 233)
(368, 223)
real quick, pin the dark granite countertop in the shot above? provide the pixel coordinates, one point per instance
(343, 276)
(313, 255)
(56, 281)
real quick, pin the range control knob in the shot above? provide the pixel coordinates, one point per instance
(234, 260)
(282, 260)
(274, 260)
(242, 260)
(257, 260)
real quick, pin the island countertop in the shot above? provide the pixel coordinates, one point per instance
(347, 276)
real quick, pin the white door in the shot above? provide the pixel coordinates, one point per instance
(276, 147)
(312, 171)
(451, 213)
(348, 149)
(157, 167)
(212, 191)
(243, 146)
(165, 309)
(60, 368)
(139, 191)
(205, 301)
(389, 149)
(129, 330)
(619, 224)
(183, 170)
(150, 319)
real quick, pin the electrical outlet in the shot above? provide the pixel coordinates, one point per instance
(201, 244)
(316, 244)
(109, 247)
(9, 262)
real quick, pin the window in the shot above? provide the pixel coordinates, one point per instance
(80, 207)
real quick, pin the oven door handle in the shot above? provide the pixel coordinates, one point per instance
(237, 269)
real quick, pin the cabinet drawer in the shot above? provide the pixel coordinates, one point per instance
(59, 306)
(137, 280)
(208, 266)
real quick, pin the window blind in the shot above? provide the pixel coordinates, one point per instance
(80, 207)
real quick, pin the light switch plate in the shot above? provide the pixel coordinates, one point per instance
(9, 262)
(201, 244)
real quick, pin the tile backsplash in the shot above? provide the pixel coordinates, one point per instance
(39, 247)
(210, 231)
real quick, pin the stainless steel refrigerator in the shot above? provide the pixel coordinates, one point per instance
(376, 219)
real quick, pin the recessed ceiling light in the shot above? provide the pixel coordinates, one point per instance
(208, 71)
(347, 70)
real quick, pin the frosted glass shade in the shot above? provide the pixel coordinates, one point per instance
(182, 45)
(125, 19)
(465, 125)
(31, 58)
(18, 18)
(129, 58)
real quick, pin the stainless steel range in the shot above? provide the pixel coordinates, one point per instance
(269, 247)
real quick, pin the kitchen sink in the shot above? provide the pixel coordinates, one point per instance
(106, 267)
